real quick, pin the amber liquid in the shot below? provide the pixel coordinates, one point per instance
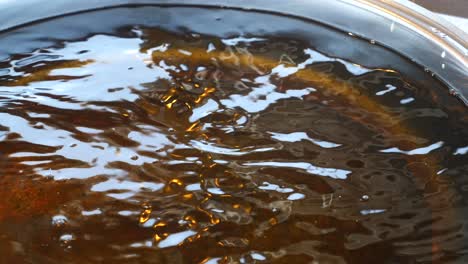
(151, 146)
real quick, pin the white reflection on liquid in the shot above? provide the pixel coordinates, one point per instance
(175, 239)
(461, 151)
(418, 151)
(327, 172)
(299, 136)
(130, 187)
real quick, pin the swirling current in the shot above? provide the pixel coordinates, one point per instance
(152, 146)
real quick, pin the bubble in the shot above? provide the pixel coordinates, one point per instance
(59, 220)
(66, 239)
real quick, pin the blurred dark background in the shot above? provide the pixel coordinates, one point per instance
(449, 7)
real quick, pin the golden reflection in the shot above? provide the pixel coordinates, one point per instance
(189, 107)
(191, 221)
(145, 215)
(205, 94)
(273, 221)
(157, 238)
(216, 182)
(171, 103)
(194, 127)
(43, 73)
(335, 86)
(329, 84)
(159, 224)
(248, 209)
(225, 220)
(177, 182)
(187, 196)
(214, 220)
(204, 261)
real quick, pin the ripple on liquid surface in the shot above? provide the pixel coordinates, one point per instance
(195, 148)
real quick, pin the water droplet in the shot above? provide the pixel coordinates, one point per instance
(365, 198)
(438, 32)
(351, 34)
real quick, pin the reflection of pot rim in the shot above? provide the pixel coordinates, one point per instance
(403, 26)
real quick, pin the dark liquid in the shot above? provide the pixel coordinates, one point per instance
(151, 146)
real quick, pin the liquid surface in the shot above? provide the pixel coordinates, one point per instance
(149, 146)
